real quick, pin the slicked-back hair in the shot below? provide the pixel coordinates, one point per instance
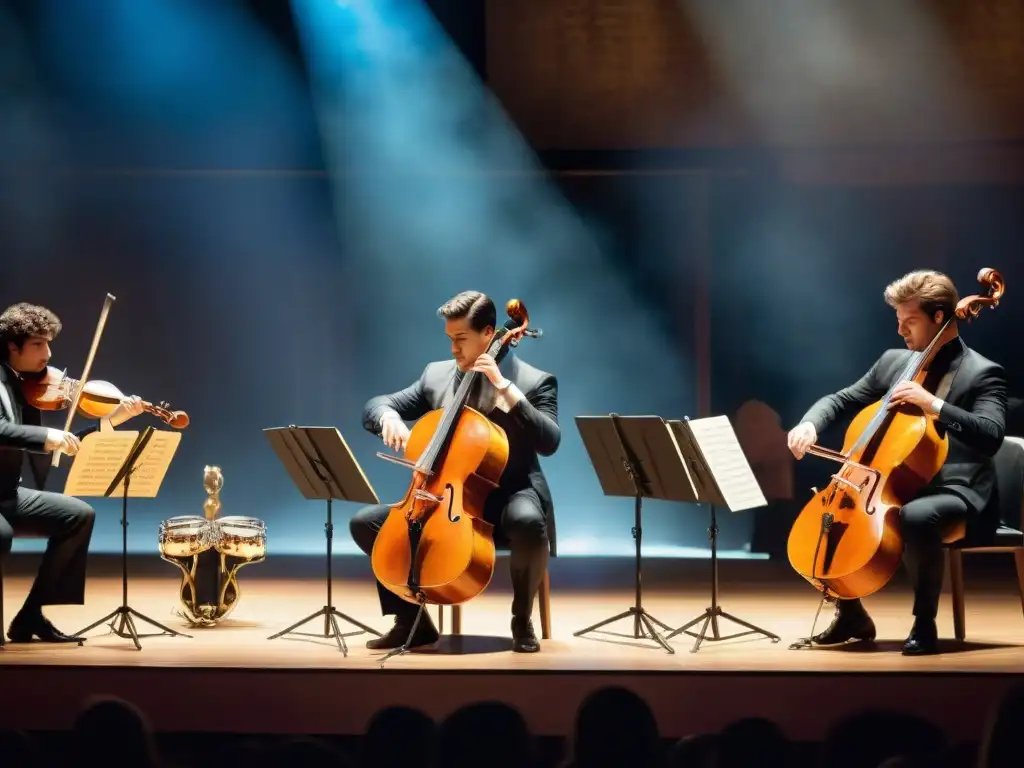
(478, 308)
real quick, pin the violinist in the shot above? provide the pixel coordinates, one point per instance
(26, 332)
(520, 399)
(966, 394)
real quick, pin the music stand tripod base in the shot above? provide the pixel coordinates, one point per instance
(323, 468)
(125, 612)
(625, 453)
(331, 628)
(329, 613)
(711, 617)
(641, 618)
(714, 612)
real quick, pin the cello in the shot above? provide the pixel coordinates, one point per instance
(846, 541)
(435, 546)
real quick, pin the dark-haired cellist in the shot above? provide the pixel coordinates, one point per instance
(520, 399)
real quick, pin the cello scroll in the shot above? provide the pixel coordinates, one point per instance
(517, 311)
(969, 307)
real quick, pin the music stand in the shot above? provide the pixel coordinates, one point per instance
(721, 462)
(322, 467)
(634, 456)
(137, 463)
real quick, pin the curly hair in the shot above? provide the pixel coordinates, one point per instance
(22, 321)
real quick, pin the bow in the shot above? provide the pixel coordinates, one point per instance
(107, 302)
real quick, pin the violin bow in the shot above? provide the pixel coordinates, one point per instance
(107, 303)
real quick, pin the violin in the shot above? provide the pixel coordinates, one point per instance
(53, 390)
(846, 541)
(434, 546)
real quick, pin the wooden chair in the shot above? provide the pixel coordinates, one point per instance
(1008, 538)
(544, 604)
(543, 594)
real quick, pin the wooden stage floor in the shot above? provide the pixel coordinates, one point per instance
(231, 678)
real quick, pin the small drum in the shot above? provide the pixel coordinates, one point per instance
(243, 537)
(185, 536)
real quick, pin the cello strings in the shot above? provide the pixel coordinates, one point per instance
(910, 370)
(450, 413)
(437, 440)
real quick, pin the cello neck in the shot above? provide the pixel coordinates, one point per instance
(915, 370)
(442, 434)
(924, 359)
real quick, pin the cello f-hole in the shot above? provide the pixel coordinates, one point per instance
(451, 504)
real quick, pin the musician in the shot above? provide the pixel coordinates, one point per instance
(971, 414)
(517, 397)
(26, 332)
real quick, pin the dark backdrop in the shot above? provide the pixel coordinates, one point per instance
(738, 273)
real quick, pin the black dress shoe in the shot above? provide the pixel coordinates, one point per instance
(923, 639)
(426, 633)
(28, 625)
(851, 623)
(524, 640)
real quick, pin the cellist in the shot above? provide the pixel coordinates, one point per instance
(523, 401)
(26, 331)
(972, 414)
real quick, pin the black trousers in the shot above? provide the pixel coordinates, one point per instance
(522, 522)
(924, 522)
(67, 522)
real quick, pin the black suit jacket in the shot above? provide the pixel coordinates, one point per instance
(531, 426)
(973, 417)
(24, 433)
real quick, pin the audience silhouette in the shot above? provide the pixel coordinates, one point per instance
(614, 728)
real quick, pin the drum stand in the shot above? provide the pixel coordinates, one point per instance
(125, 612)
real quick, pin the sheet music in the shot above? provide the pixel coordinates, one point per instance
(728, 463)
(151, 467)
(103, 454)
(682, 460)
(96, 464)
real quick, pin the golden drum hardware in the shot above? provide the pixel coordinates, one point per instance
(210, 550)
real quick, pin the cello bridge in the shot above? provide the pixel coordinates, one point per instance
(866, 487)
(419, 493)
(850, 483)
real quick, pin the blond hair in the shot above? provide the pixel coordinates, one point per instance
(934, 292)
